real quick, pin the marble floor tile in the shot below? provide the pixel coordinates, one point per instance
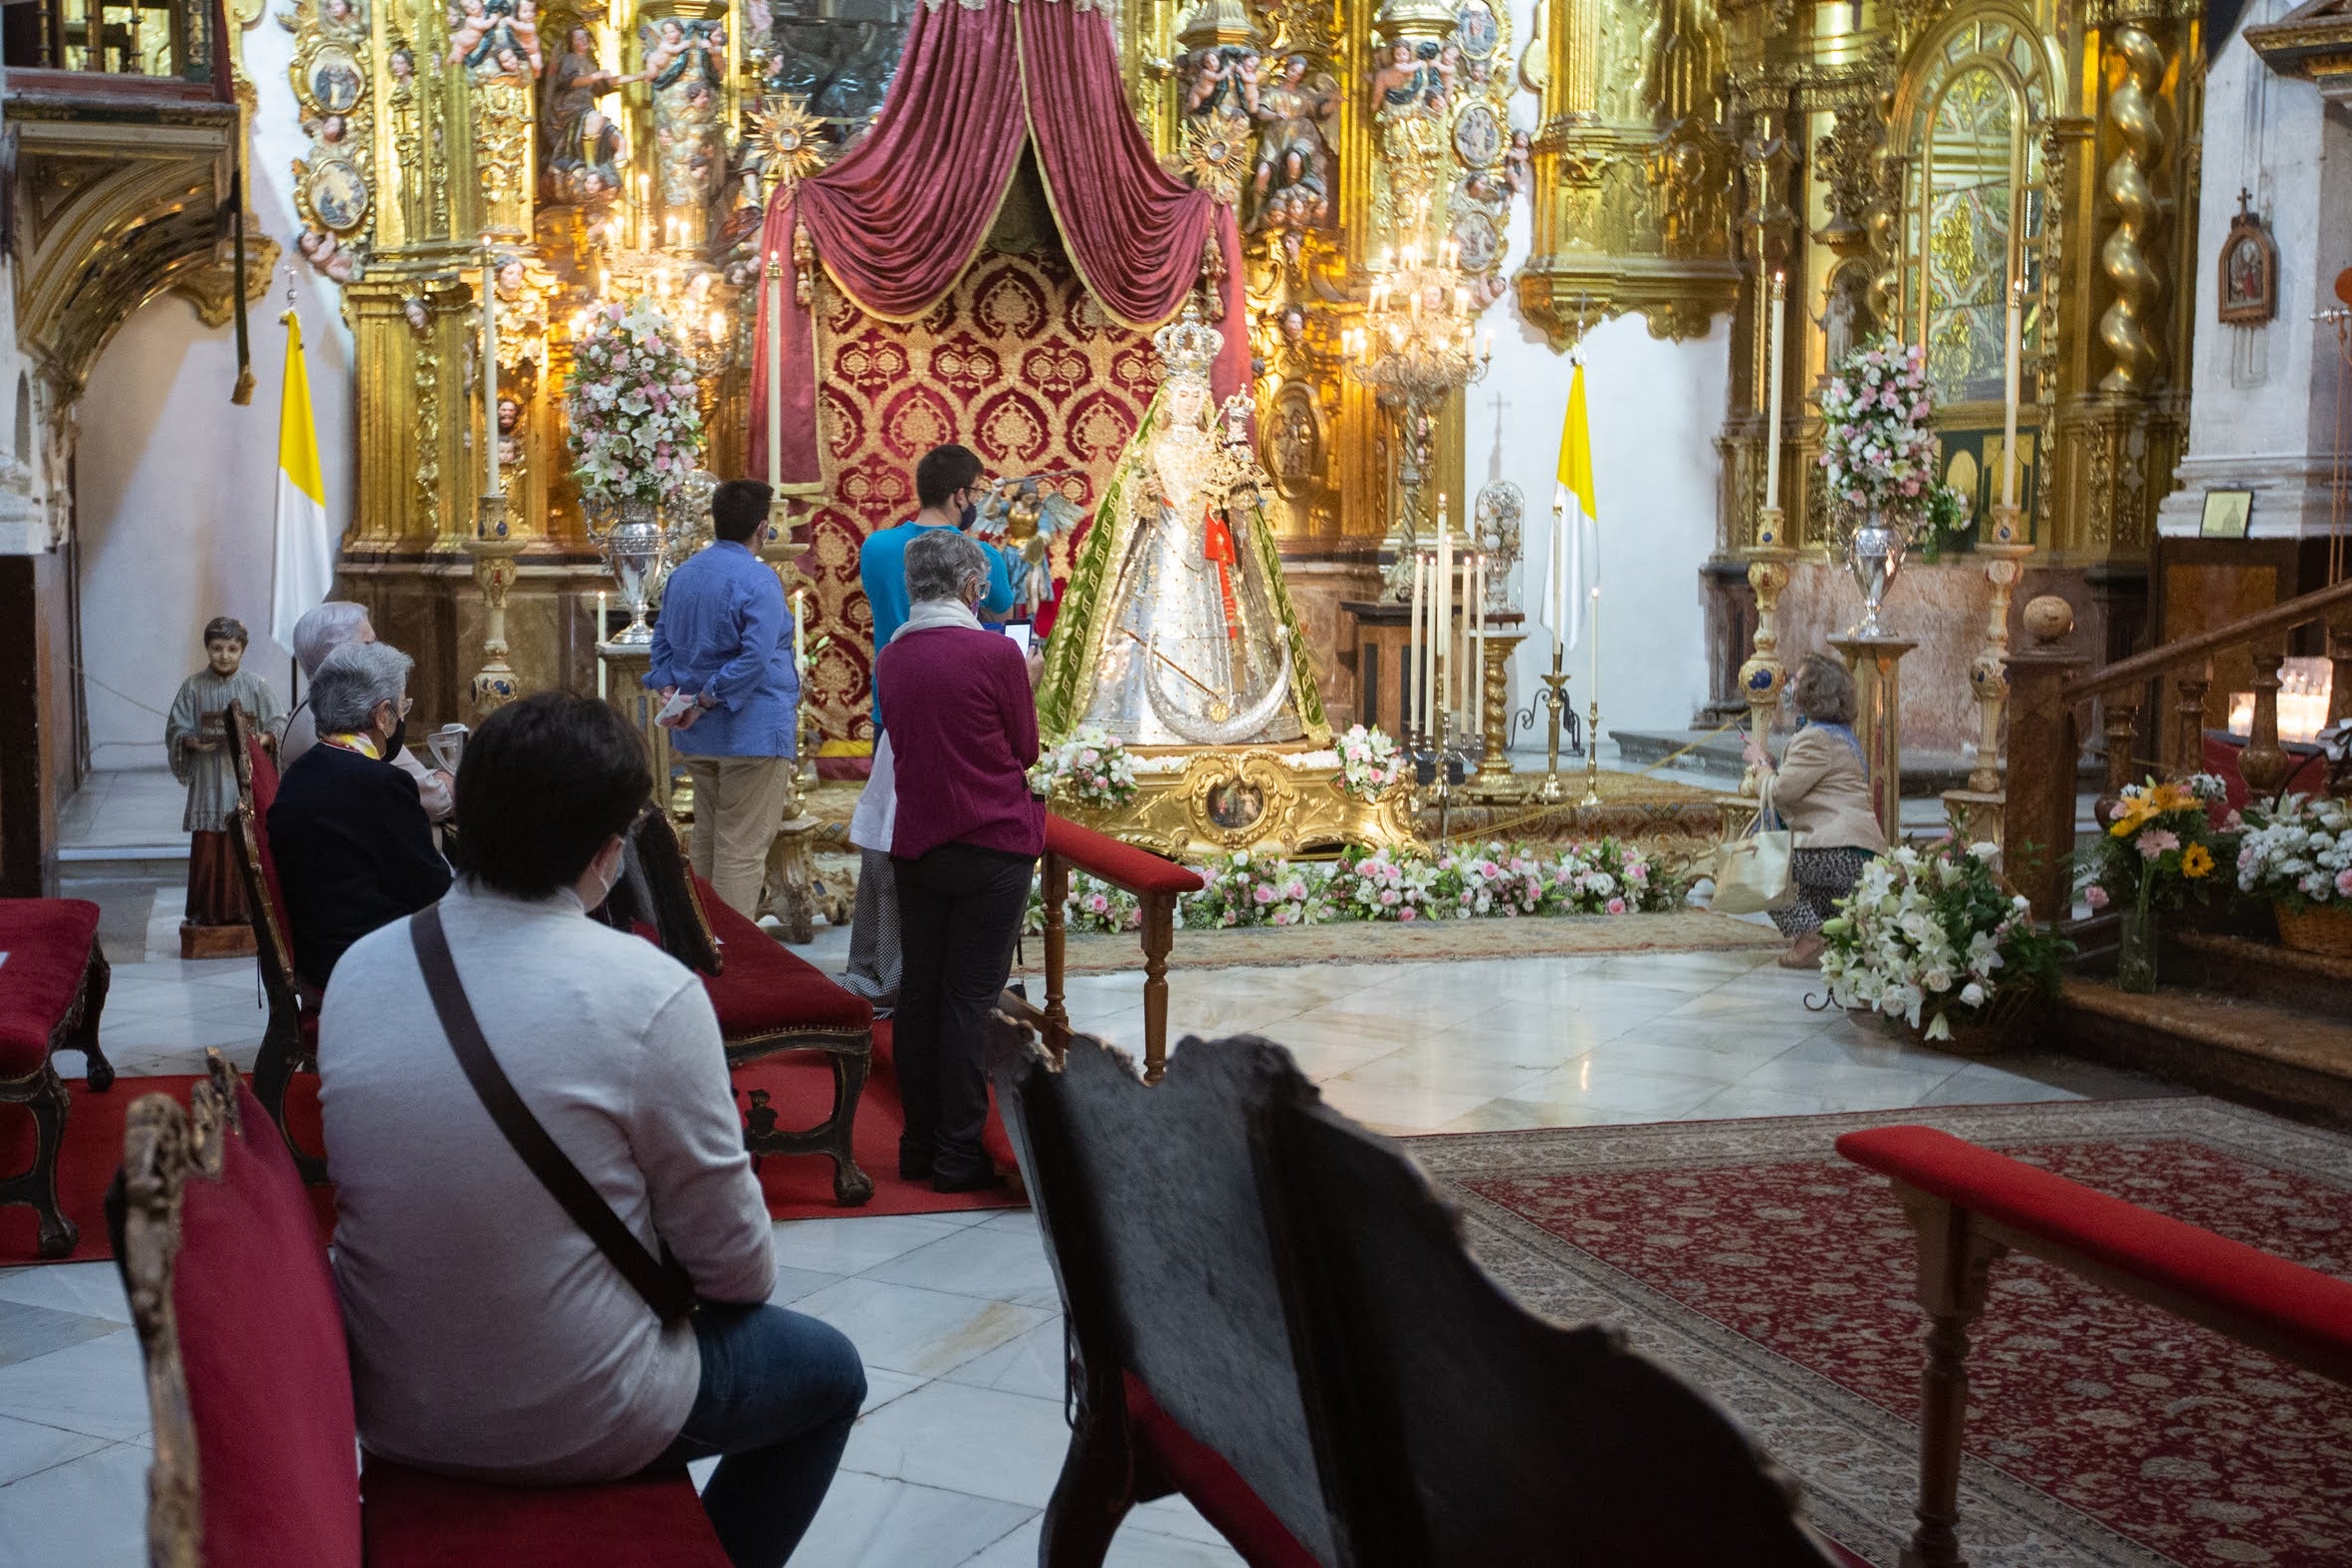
(986, 1442)
(852, 1246)
(979, 1260)
(1508, 1115)
(1133, 1547)
(27, 1447)
(1035, 1363)
(1897, 1084)
(88, 1512)
(902, 1328)
(794, 1283)
(27, 1333)
(1612, 1087)
(868, 1521)
(1400, 1112)
(97, 1386)
(1438, 1069)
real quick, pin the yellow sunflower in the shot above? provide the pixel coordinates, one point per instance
(2197, 861)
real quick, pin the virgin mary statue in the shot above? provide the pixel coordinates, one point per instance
(1176, 633)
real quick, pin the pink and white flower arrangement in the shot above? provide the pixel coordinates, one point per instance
(1368, 762)
(1091, 765)
(635, 410)
(1879, 452)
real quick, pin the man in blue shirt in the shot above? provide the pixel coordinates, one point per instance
(724, 640)
(948, 488)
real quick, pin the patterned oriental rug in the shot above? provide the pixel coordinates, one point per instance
(2101, 1432)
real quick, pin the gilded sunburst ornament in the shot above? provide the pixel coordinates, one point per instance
(1216, 155)
(787, 140)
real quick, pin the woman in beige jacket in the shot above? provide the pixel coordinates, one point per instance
(1821, 791)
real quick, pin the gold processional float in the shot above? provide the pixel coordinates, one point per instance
(478, 175)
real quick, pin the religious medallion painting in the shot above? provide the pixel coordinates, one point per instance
(2249, 270)
(331, 192)
(1018, 364)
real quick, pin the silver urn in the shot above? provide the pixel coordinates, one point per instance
(635, 549)
(1874, 554)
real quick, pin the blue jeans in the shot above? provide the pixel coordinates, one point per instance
(778, 1393)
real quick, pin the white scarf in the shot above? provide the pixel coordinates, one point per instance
(876, 816)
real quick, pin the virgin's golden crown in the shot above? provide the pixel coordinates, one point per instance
(1188, 346)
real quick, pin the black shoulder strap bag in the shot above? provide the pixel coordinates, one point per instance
(662, 1281)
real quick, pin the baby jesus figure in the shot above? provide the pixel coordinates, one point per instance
(196, 742)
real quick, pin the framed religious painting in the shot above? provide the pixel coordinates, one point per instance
(2249, 270)
(2227, 513)
(337, 194)
(330, 79)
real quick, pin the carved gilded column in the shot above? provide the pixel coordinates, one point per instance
(2128, 328)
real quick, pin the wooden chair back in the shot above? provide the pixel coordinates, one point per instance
(663, 894)
(1150, 1209)
(1458, 1429)
(253, 752)
(248, 1378)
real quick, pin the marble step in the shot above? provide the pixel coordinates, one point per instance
(2277, 1059)
(1925, 772)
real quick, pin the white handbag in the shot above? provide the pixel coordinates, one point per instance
(1753, 873)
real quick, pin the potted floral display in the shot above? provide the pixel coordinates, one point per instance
(2297, 853)
(1879, 459)
(1368, 762)
(1089, 766)
(635, 411)
(1932, 939)
(2158, 852)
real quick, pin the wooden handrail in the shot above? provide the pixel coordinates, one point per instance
(2284, 616)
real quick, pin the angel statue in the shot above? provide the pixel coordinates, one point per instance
(1021, 519)
(1176, 632)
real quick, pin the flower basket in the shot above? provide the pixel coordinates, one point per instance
(1990, 1036)
(2323, 928)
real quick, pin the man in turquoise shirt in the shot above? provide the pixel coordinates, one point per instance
(948, 488)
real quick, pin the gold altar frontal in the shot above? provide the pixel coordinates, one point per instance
(1272, 800)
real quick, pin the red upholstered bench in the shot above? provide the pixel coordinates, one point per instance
(250, 1386)
(1970, 1204)
(769, 999)
(53, 986)
(290, 1039)
(1156, 881)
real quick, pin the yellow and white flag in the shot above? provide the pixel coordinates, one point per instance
(305, 569)
(1577, 545)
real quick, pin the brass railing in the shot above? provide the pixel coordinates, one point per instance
(2048, 688)
(125, 41)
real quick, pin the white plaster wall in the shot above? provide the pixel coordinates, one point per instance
(2262, 399)
(1656, 408)
(176, 485)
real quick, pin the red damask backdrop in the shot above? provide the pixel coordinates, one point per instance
(1017, 363)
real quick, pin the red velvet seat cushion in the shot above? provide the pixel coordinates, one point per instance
(1099, 854)
(763, 988)
(1212, 1485)
(2179, 1256)
(47, 942)
(416, 1520)
(269, 1385)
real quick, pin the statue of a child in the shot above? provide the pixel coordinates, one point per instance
(196, 741)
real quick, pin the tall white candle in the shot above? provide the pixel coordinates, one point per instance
(2008, 379)
(800, 629)
(490, 365)
(1554, 602)
(601, 677)
(1592, 635)
(1779, 325)
(1441, 693)
(1429, 641)
(1478, 645)
(775, 371)
(1409, 681)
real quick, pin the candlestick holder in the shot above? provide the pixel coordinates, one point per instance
(494, 549)
(1592, 756)
(1441, 764)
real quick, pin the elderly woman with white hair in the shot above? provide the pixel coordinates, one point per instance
(964, 843)
(320, 633)
(1821, 789)
(353, 847)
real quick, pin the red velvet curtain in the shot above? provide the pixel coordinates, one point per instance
(899, 217)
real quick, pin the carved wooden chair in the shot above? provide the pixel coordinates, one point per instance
(768, 999)
(249, 1385)
(1362, 1398)
(1458, 1428)
(52, 988)
(290, 1039)
(253, 752)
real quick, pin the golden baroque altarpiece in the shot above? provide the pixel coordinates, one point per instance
(1898, 161)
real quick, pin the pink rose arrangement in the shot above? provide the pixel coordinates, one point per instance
(1879, 452)
(635, 410)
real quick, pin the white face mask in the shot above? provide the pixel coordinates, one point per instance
(606, 868)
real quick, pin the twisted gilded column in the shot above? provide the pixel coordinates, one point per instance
(2129, 328)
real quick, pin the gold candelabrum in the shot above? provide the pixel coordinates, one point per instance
(1554, 698)
(1417, 346)
(1764, 677)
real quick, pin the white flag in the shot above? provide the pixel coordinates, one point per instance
(305, 560)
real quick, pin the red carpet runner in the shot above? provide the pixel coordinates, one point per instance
(2190, 1445)
(798, 1187)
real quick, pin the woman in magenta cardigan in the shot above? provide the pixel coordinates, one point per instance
(963, 727)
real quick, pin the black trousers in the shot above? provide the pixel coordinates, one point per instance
(959, 913)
